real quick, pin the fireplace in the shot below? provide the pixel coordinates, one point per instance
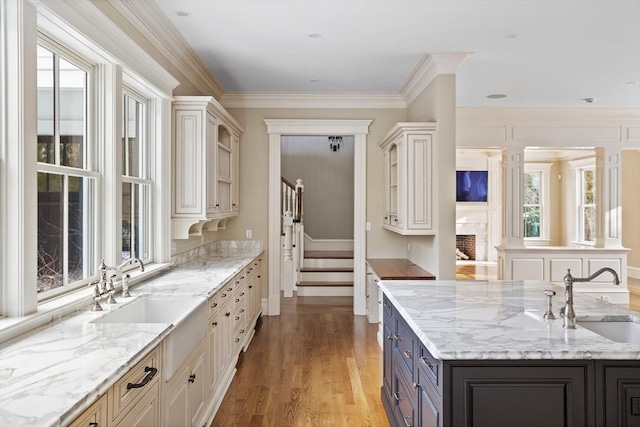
(466, 243)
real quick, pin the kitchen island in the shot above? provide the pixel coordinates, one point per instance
(480, 353)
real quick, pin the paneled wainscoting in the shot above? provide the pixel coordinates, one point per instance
(314, 365)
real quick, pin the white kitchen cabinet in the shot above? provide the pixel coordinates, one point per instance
(372, 296)
(94, 416)
(186, 392)
(410, 169)
(205, 153)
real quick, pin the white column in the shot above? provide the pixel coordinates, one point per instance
(18, 133)
(608, 198)
(273, 302)
(512, 197)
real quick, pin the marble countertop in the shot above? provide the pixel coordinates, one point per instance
(502, 320)
(52, 374)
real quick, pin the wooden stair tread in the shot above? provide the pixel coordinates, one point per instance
(325, 284)
(328, 254)
(326, 270)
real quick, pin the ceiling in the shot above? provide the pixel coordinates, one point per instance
(540, 53)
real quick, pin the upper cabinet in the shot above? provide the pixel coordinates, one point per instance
(409, 172)
(205, 153)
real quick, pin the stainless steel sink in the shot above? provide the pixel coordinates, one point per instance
(188, 315)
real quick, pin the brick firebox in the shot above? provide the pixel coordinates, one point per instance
(466, 243)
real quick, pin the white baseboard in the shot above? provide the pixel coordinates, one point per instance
(311, 244)
(633, 272)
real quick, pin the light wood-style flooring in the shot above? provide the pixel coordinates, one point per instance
(314, 365)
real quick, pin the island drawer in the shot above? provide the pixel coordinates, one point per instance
(405, 345)
(431, 367)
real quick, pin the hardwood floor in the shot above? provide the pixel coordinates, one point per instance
(314, 365)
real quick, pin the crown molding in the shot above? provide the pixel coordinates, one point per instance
(152, 23)
(312, 100)
(317, 126)
(428, 67)
(548, 114)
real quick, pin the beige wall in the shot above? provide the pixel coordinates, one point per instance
(328, 183)
(631, 206)
(437, 103)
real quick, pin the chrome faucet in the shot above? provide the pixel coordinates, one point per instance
(567, 312)
(104, 285)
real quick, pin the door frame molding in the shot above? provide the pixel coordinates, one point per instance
(276, 128)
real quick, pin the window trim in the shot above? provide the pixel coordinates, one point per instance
(578, 166)
(79, 27)
(545, 203)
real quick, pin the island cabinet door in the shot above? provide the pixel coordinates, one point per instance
(501, 394)
(618, 393)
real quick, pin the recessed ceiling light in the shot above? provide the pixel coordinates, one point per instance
(589, 100)
(182, 13)
(314, 80)
(314, 35)
(511, 36)
(630, 83)
(496, 96)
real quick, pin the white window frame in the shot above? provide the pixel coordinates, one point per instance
(578, 167)
(85, 31)
(147, 166)
(91, 220)
(545, 203)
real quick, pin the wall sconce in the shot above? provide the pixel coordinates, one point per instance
(334, 143)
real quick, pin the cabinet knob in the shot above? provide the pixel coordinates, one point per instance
(250, 286)
(227, 314)
(214, 324)
(407, 421)
(396, 396)
(416, 385)
(217, 205)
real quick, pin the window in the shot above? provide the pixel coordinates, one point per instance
(136, 185)
(67, 185)
(586, 204)
(536, 208)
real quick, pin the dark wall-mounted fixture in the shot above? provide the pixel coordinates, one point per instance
(334, 143)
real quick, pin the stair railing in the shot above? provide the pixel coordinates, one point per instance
(292, 230)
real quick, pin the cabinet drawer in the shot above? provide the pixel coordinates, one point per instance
(431, 367)
(134, 384)
(214, 303)
(404, 398)
(405, 346)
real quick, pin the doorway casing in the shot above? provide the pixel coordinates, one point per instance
(276, 128)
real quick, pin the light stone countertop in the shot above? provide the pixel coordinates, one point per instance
(502, 320)
(52, 374)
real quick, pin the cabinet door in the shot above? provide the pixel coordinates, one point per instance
(428, 404)
(506, 395)
(213, 355)
(94, 416)
(387, 356)
(189, 162)
(224, 170)
(212, 147)
(419, 190)
(146, 413)
(197, 389)
(235, 155)
(621, 391)
(177, 404)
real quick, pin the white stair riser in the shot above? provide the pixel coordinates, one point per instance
(327, 263)
(325, 291)
(314, 276)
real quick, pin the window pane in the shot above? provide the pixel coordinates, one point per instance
(531, 221)
(50, 231)
(532, 188)
(589, 187)
(589, 224)
(135, 222)
(73, 104)
(78, 207)
(134, 131)
(45, 107)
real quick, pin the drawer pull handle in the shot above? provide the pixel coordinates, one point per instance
(214, 305)
(214, 324)
(416, 385)
(241, 294)
(237, 300)
(379, 302)
(242, 310)
(250, 286)
(259, 277)
(407, 421)
(237, 282)
(192, 378)
(94, 424)
(224, 295)
(151, 372)
(251, 269)
(242, 331)
(237, 317)
(227, 314)
(396, 396)
(407, 354)
(426, 362)
(237, 339)
(229, 289)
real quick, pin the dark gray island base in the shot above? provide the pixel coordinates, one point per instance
(421, 390)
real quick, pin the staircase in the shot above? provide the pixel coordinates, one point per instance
(326, 273)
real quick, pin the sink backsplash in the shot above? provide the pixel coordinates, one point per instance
(219, 246)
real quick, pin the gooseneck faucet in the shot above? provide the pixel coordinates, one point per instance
(104, 285)
(567, 312)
